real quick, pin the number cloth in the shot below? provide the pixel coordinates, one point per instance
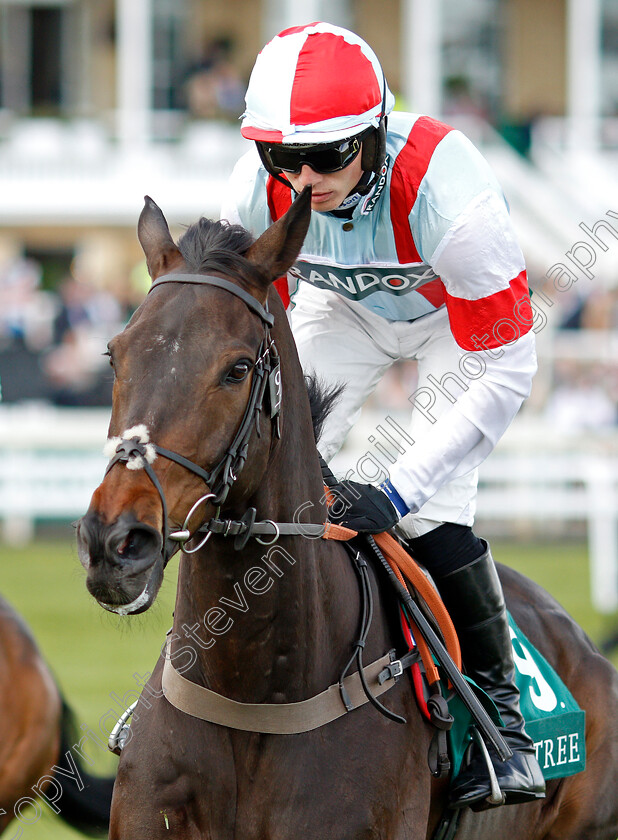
(554, 721)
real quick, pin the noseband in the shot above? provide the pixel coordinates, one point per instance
(138, 453)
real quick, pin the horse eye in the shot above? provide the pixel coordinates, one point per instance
(239, 372)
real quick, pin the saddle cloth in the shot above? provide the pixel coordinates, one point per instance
(554, 721)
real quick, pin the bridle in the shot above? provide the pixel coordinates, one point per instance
(139, 452)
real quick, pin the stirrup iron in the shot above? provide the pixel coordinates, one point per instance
(497, 796)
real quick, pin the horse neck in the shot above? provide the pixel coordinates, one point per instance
(272, 624)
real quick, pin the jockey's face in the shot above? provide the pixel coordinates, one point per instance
(329, 189)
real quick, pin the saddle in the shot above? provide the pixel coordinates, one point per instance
(429, 688)
(554, 721)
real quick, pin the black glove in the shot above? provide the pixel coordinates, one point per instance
(362, 507)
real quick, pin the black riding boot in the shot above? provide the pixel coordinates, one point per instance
(473, 595)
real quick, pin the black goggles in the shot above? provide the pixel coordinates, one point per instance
(323, 158)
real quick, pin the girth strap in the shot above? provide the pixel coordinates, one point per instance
(275, 718)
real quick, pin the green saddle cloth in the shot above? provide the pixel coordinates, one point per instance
(554, 721)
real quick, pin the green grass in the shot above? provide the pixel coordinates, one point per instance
(94, 653)
(563, 570)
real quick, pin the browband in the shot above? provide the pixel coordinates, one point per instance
(220, 283)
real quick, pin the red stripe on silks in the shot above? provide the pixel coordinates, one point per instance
(281, 285)
(408, 171)
(494, 320)
(321, 87)
(279, 198)
(434, 292)
(279, 201)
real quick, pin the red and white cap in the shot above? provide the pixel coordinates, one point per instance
(315, 84)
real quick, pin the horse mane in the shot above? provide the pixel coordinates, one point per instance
(322, 399)
(208, 246)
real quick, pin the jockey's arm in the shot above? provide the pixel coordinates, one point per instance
(463, 437)
(483, 271)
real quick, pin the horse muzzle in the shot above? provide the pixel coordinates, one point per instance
(123, 560)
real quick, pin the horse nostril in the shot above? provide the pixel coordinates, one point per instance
(138, 542)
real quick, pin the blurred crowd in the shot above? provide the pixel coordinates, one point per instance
(215, 88)
(52, 345)
(576, 388)
(584, 384)
(52, 342)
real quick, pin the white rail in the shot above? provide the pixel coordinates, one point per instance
(537, 475)
(51, 461)
(556, 487)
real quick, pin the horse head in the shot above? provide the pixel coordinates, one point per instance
(193, 371)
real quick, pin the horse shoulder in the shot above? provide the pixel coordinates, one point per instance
(181, 766)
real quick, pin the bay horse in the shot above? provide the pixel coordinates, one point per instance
(41, 764)
(200, 433)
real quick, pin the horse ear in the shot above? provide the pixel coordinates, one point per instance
(162, 255)
(277, 248)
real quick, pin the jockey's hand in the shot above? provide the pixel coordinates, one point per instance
(362, 507)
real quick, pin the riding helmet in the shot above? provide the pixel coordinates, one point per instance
(316, 84)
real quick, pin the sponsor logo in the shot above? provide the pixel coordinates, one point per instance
(558, 750)
(349, 201)
(554, 721)
(373, 197)
(358, 282)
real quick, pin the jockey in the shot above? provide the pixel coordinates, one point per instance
(410, 254)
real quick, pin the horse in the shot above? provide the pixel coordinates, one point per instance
(210, 427)
(40, 760)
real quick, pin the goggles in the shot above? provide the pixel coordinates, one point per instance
(325, 158)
